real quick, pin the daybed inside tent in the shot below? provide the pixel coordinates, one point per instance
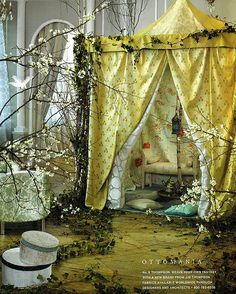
(131, 70)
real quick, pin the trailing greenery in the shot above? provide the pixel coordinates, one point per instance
(105, 285)
(96, 229)
(128, 45)
(79, 140)
(225, 281)
(94, 226)
(53, 286)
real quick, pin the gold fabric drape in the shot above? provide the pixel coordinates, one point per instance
(116, 109)
(205, 81)
(203, 70)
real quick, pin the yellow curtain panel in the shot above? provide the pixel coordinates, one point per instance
(203, 71)
(205, 81)
(117, 107)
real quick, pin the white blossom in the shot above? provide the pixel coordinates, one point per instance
(148, 211)
(168, 218)
(202, 228)
(81, 74)
(105, 4)
(88, 17)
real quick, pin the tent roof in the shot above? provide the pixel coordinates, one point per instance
(175, 30)
(182, 17)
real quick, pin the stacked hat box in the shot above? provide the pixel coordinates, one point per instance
(22, 266)
(18, 274)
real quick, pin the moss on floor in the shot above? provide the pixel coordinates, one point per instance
(150, 251)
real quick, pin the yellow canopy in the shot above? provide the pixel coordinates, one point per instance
(175, 30)
(204, 76)
(185, 19)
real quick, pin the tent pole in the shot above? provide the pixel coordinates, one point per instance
(179, 173)
(178, 138)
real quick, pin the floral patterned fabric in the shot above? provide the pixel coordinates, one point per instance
(116, 110)
(25, 197)
(158, 129)
(117, 181)
(157, 132)
(203, 72)
(205, 81)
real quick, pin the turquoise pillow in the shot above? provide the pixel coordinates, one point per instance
(182, 210)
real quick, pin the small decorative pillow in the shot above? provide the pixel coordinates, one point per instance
(189, 163)
(182, 210)
(144, 204)
(152, 195)
(149, 156)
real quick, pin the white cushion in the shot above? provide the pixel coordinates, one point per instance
(143, 204)
(167, 168)
(153, 195)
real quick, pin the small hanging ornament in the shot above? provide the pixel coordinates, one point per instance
(176, 120)
(176, 124)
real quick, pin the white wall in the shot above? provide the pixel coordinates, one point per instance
(40, 11)
(224, 9)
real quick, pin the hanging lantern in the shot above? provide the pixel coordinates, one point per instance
(176, 124)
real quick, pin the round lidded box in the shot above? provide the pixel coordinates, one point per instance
(38, 247)
(19, 274)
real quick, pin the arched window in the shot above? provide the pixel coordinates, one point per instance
(45, 81)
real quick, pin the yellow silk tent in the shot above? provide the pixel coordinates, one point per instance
(130, 70)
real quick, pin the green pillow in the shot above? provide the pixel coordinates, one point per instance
(182, 210)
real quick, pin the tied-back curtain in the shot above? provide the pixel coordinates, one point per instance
(5, 108)
(205, 81)
(45, 81)
(116, 189)
(124, 90)
(158, 129)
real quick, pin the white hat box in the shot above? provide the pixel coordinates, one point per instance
(38, 247)
(19, 274)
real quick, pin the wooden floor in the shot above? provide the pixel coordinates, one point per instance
(144, 243)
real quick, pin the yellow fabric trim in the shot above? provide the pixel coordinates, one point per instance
(185, 19)
(170, 42)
